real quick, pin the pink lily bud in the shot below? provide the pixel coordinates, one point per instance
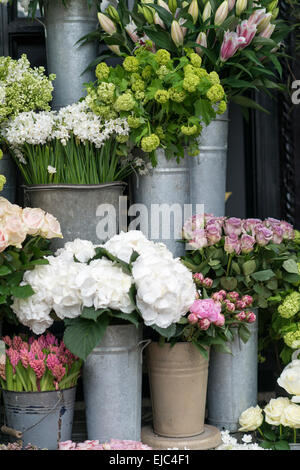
(268, 31)
(177, 33)
(251, 317)
(231, 43)
(192, 318)
(107, 24)
(194, 10)
(164, 5)
(221, 13)
(264, 22)
(204, 324)
(206, 12)
(257, 16)
(202, 41)
(246, 30)
(241, 5)
(231, 4)
(158, 20)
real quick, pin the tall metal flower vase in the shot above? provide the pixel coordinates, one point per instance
(8, 169)
(160, 198)
(112, 381)
(64, 26)
(232, 381)
(208, 168)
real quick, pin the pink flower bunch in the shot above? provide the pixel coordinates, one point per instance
(39, 364)
(238, 235)
(16, 223)
(113, 444)
(202, 281)
(220, 307)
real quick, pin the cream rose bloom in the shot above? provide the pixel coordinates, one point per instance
(290, 379)
(3, 240)
(251, 419)
(291, 416)
(274, 409)
(16, 230)
(34, 219)
(51, 227)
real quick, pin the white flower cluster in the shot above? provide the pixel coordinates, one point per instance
(230, 443)
(65, 286)
(165, 287)
(40, 128)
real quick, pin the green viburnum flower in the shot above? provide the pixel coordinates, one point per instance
(162, 56)
(106, 92)
(290, 306)
(147, 72)
(160, 132)
(139, 95)
(190, 82)
(131, 64)
(196, 60)
(138, 85)
(214, 78)
(150, 143)
(222, 107)
(124, 102)
(161, 96)
(162, 71)
(134, 122)
(122, 138)
(134, 77)
(201, 73)
(189, 130)
(189, 68)
(102, 71)
(1, 154)
(292, 339)
(193, 150)
(177, 95)
(2, 182)
(105, 111)
(215, 93)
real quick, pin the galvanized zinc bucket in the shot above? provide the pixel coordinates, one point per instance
(79, 209)
(208, 168)
(163, 194)
(178, 383)
(43, 418)
(112, 380)
(232, 381)
(8, 169)
(64, 26)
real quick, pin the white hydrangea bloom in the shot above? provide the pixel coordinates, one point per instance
(83, 250)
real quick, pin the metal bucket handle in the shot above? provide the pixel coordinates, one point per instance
(19, 434)
(144, 343)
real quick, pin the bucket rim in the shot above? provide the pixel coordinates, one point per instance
(36, 393)
(53, 186)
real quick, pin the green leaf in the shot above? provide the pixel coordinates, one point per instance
(4, 270)
(130, 317)
(82, 336)
(204, 110)
(201, 348)
(22, 292)
(291, 266)
(249, 267)
(264, 275)
(89, 313)
(229, 283)
(282, 445)
(248, 103)
(244, 333)
(165, 332)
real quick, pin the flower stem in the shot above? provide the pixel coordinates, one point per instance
(295, 435)
(229, 264)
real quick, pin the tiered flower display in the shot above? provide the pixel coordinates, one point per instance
(37, 365)
(23, 244)
(165, 100)
(240, 40)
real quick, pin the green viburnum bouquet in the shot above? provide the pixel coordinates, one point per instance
(22, 88)
(239, 39)
(165, 101)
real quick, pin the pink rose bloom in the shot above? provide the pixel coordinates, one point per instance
(213, 233)
(233, 226)
(51, 227)
(3, 240)
(206, 308)
(277, 234)
(263, 235)
(251, 317)
(33, 218)
(207, 282)
(16, 230)
(248, 300)
(270, 222)
(250, 224)
(247, 243)
(199, 239)
(204, 324)
(241, 316)
(288, 231)
(220, 321)
(232, 244)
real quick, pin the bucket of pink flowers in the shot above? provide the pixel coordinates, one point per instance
(38, 378)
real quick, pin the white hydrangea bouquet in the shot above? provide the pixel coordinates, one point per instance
(72, 145)
(129, 278)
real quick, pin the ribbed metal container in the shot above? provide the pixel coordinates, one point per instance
(232, 381)
(167, 184)
(294, 446)
(112, 380)
(208, 168)
(77, 207)
(64, 26)
(8, 169)
(44, 418)
(178, 383)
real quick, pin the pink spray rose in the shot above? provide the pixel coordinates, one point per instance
(241, 316)
(288, 231)
(220, 321)
(192, 318)
(248, 299)
(277, 234)
(207, 282)
(251, 317)
(250, 224)
(230, 306)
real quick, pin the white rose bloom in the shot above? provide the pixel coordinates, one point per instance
(251, 419)
(83, 250)
(290, 379)
(291, 416)
(274, 409)
(165, 288)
